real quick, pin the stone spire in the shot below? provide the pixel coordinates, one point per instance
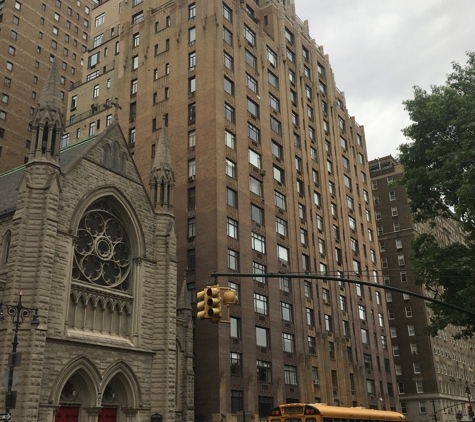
(48, 120)
(162, 178)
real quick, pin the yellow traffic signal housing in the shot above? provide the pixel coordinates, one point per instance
(213, 302)
(201, 305)
(229, 297)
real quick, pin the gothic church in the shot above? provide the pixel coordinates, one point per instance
(86, 244)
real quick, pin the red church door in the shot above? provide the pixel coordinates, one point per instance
(108, 414)
(67, 414)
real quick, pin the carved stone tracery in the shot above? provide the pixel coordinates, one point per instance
(102, 248)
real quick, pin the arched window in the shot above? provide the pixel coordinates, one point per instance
(102, 251)
(5, 249)
(101, 298)
(106, 154)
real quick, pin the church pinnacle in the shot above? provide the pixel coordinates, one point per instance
(48, 120)
(162, 178)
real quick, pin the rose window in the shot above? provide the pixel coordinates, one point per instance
(102, 250)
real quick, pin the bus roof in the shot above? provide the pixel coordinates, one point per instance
(358, 413)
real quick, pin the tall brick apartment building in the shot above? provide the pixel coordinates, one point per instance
(428, 369)
(271, 175)
(33, 32)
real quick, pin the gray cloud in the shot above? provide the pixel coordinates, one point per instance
(380, 49)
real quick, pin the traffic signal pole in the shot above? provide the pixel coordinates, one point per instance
(215, 275)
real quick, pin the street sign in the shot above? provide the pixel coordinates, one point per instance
(5, 416)
(4, 380)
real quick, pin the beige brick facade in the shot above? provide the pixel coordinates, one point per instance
(238, 80)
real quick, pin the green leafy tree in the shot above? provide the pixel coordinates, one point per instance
(439, 176)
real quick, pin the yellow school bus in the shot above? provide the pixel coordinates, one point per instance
(299, 412)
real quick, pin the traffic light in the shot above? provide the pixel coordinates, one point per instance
(201, 305)
(469, 410)
(213, 302)
(229, 297)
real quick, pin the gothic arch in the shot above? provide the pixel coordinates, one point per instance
(88, 373)
(5, 249)
(125, 209)
(124, 378)
(106, 154)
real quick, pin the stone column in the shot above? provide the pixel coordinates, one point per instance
(92, 413)
(130, 414)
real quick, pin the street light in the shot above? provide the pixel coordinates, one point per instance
(17, 313)
(469, 404)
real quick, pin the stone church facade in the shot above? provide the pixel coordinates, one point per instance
(96, 254)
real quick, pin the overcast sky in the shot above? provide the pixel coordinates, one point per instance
(380, 49)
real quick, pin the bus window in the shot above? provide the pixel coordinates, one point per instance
(310, 419)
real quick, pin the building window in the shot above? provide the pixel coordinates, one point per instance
(264, 372)
(136, 18)
(411, 330)
(272, 57)
(227, 12)
(290, 375)
(258, 269)
(235, 328)
(262, 337)
(364, 336)
(191, 112)
(251, 83)
(253, 132)
(257, 214)
(286, 311)
(260, 304)
(135, 62)
(228, 86)
(231, 197)
(227, 36)
(253, 108)
(279, 175)
(191, 36)
(229, 139)
(279, 200)
(232, 228)
(282, 254)
(284, 284)
(92, 128)
(229, 112)
(288, 343)
(275, 125)
(100, 19)
(250, 59)
(230, 168)
(255, 186)
(191, 11)
(237, 401)
(274, 103)
(233, 260)
(419, 387)
(273, 79)
(236, 364)
(132, 135)
(250, 36)
(258, 243)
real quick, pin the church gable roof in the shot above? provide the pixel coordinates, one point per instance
(10, 180)
(111, 151)
(91, 148)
